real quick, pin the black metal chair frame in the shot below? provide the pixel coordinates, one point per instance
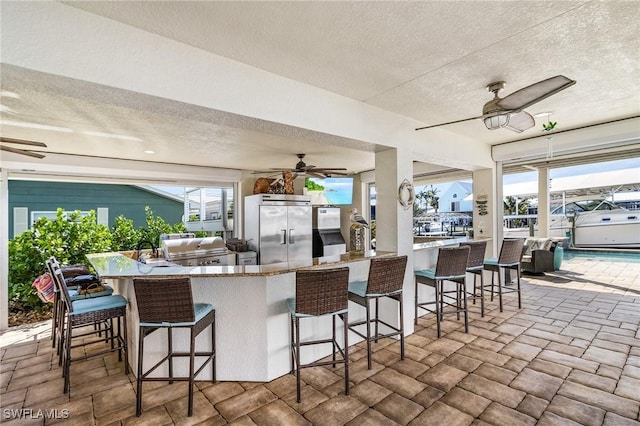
(509, 259)
(475, 266)
(168, 303)
(321, 292)
(386, 279)
(451, 266)
(73, 321)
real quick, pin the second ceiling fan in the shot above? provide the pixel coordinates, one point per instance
(508, 112)
(302, 168)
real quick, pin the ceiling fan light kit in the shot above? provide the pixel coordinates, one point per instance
(508, 112)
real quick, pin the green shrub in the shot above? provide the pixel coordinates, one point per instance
(124, 235)
(157, 226)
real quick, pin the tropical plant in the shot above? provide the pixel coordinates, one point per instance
(157, 226)
(430, 197)
(124, 236)
(513, 205)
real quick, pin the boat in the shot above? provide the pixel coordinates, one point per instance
(588, 223)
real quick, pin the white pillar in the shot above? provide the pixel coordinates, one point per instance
(394, 223)
(4, 250)
(486, 187)
(543, 202)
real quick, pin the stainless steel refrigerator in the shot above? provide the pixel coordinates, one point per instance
(278, 227)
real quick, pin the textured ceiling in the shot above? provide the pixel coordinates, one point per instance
(430, 61)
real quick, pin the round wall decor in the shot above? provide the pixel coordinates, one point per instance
(406, 194)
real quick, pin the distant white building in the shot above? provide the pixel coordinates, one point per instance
(457, 198)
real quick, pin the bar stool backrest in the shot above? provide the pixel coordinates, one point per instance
(452, 261)
(59, 283)
(511, 251)
(476, 253)
(163, 300)
(386, 275)
(322, 291)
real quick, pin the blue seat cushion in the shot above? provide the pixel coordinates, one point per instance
(431, 274)
(493, 261)
(358, 287)
(291, 304)
(85, 306)
(200, 309)
(108, 291)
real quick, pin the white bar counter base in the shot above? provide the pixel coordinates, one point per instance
(252, 318)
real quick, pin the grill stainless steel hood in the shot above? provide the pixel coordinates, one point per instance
(197, 251)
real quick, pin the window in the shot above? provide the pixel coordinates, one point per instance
(35, 215)
(209, 209)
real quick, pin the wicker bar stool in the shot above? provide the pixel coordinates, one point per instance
(318, 293)
(451, 266)
(79, 313)
(168, 303)
(57, 321)
(475, 266)
(386, 277)
(509, 259)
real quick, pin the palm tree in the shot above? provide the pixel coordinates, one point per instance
(514, 205)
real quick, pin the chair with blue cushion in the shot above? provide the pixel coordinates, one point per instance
(167, 303)
(319, 293)
(68, 275)
(475, 266)
(451, 266)
(386, 277)
(78, 313)
(509, 259)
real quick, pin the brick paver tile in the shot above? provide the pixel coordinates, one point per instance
(466, 401)
(631, 371)
(371, 417)
(533, 406)
(628, 387)
(606, 344)
(511, 329)
(500, 415)
(410, 367)
(593, 380)
(465, 363)
(521, 351)
(497, 374)
(245, 403)
(551, 419)
(605, 356)
(601, 399)
(444, 346)
(441, 414)
(202, 410)
(277, 412)
(397, 382)
(484, 355)
(568, 360)
(492, 390)
(536, 383)
(551, 368)
(442, 376)
(577, 411)
(370, 393)
(399, 409)
(428, 396)
(612, 419)
(338, 410)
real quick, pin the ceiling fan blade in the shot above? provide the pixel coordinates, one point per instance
(520, 121)
(23, 142)
(317, 169)
(449, 122)
(21, 151)
(527, 96)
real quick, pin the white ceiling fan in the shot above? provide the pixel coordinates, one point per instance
(508, 112)
(20, 151)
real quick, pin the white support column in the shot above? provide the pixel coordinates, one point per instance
(543, 202)
(394, 224)
(4, 250)
(489, 225)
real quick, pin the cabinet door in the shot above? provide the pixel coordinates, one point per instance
(299, 233)
(273, 234)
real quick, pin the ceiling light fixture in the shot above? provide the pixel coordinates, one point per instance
(113, 136)
(35, 126)
(148, 151)
(496, 121)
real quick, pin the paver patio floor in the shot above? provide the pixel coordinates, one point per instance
(571, 355)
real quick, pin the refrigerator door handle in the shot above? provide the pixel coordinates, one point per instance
(291, 236)
(283, 236)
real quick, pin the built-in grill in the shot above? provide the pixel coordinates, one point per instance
(198, 252)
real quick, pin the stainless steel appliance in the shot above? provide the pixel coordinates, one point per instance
(209, 251)
(278, 227)
(327, 238)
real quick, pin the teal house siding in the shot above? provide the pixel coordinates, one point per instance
(126, 200)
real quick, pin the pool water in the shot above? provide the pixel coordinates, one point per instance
(604, 256)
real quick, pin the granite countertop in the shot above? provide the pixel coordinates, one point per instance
(117, 265)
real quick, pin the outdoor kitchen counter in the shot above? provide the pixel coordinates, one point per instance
(117, 265)
(252, 317)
